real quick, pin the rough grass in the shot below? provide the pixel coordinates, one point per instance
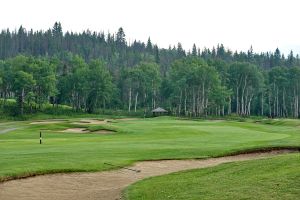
(281, 122)
(95, 128)
(145, 139)
(273, 178)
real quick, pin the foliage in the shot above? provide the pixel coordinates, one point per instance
(92, 71)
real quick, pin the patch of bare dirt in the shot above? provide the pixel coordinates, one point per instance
(107, 185)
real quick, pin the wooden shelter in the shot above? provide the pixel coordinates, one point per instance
(159, 111)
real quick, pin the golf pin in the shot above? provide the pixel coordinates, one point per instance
(40, 137)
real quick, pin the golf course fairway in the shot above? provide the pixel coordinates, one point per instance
(122, 142)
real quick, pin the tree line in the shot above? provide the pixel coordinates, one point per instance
(96, 71)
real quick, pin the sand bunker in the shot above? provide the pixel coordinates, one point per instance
(84, 130)
(76, 130)
(107, 185)
(99, 122)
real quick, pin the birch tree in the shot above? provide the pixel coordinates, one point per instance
(245, 82)
(294, 85)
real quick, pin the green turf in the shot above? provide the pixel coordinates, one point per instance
(273, 178)
(145, 139)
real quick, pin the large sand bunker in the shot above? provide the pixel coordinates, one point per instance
(107, 185)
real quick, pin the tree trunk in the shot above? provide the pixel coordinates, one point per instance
(223, 110)
(274, 101)
(270, 105)
(185, 99)
(243, 106)
(229, 106)
(277, 103)
(129, 101)
(136, 101)
(198, 102)
(206, 105)
(180, 102)
(154, 99)
(262, 104)
(237, 101)
(283, 104)
(296, 107)
(145, 103)
(21, 101)
(203, 99)
(194, 103)
(249, 105)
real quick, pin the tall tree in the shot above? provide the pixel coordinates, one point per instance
(194, 50)
(149, 46)
(245, 82)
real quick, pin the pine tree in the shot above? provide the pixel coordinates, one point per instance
(156, 54)
(250, 54)
(57, 29)
(277, 58)
(291, 59)
(120, 37)
(194, 51)
(149, 46)
(180, 51)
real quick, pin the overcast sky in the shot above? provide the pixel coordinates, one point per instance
(265, 24)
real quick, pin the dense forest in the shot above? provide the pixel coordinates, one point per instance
(93, 71)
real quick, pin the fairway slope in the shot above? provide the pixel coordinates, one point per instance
(7, 130)
(109, 185)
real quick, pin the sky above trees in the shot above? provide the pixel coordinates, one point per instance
(237, 24)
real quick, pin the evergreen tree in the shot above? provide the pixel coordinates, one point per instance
(194, 50)
(277, 58)
(120, 37)
(149, 46)
(291, 59)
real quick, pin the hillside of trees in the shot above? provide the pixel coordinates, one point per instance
(92, 71)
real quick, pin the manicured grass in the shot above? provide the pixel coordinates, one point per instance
(273, 178)
(144, 139)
